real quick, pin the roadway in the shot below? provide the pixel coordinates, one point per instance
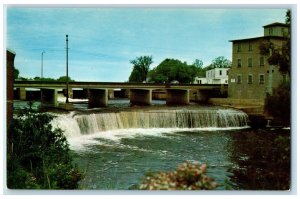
(114, 85)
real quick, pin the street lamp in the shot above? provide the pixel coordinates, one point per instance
(42, 64)
(67, 80)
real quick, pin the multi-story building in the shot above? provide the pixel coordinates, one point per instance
(217, 76)
(251, 76)
(214, 76)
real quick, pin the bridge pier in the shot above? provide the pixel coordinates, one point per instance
(49, 97)
(140, 96)
(111, 94)
(21, 93)
(178, 96)
(98, 97)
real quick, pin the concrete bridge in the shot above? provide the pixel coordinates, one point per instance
(139, 93)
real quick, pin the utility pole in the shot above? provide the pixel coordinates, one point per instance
(42, 64)
(67, 81)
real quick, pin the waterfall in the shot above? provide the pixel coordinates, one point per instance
(81, 124)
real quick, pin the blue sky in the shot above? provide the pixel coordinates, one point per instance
(102, 41)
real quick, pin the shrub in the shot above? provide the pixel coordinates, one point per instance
(278, 105)
(187, 176)
(38, 155)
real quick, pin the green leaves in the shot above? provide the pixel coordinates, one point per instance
(38, 155)
(140, 68)
(172, 69)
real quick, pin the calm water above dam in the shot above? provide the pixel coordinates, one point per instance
(116, 149)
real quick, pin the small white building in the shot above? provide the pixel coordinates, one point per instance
(214, 76)
(200, 80)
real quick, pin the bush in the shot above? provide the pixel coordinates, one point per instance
(187, 176)
(278, 105)
(38, 156)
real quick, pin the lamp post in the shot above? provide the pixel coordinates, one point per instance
(67, 80)
(42, 64)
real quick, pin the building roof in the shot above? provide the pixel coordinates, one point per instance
(11, 51)
(257, 38)
(276, 24)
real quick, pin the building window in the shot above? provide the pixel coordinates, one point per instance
(261, 79)
(239, 47)
(250, 79)
(227, 72)
(220, 72)
(249, 62)
(250, 46)
(284, 78)
(261, 61)
(239, 79)
(270, 31)
(239, 63)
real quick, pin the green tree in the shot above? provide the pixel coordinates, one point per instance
(16, 73)
(38, 156)
(64, 79)
(200, 72)
(140, 68)
(173, 69)
(279, 104)
(219, 62)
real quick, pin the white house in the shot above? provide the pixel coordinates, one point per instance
(214, 76)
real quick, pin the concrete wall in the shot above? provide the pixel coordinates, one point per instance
(140, 96)
(236, 102)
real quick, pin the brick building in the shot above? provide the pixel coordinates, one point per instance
(10, 57)
(251, 76)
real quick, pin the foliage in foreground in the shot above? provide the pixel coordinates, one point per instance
(265, 167)
(278, 105)
(187, 176)
(38, 156)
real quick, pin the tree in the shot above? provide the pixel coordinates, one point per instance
(219, 62)
(140, 68)
(64, 79)
(200, 72)
(198, 63)
(16, 73)
(38, 156)
(173, 69)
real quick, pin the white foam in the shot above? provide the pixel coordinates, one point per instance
(114, 137)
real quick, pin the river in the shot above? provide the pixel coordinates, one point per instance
(115, 147)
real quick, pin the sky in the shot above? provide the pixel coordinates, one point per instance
(103, 40)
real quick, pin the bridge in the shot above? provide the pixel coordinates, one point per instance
(139, 93)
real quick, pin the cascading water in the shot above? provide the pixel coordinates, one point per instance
(81, 124)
